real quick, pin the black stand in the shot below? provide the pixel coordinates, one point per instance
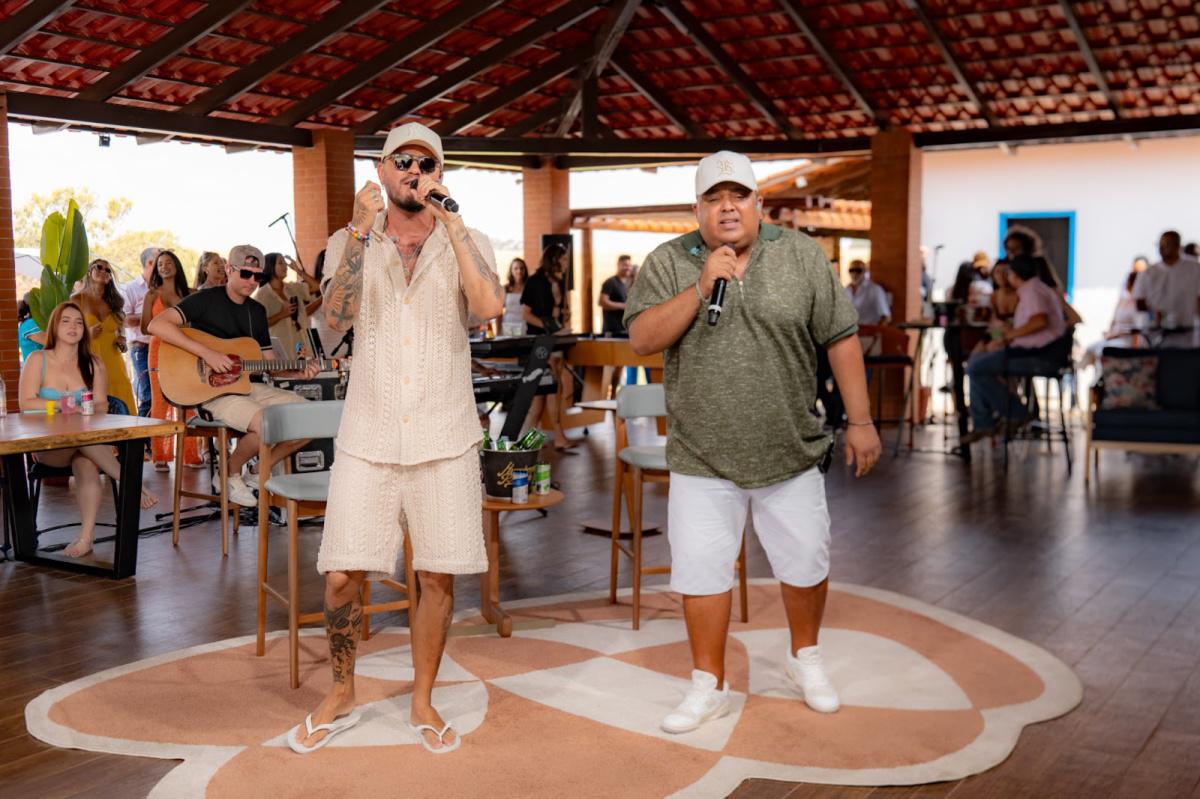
(535, 365)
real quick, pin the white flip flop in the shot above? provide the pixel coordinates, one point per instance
(340, 724)
(418, 730)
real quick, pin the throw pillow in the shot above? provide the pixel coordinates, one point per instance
(1130, 383)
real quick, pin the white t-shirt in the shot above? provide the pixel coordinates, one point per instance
(870, 301)
(1171, 290)
(135, 295)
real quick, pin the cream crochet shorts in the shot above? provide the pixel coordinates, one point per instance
(370, 504)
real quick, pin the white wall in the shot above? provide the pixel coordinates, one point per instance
(1123, 198)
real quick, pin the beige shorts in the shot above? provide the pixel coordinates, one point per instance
(370, 504)
(238, 410)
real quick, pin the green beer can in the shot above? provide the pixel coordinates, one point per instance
(540, 484)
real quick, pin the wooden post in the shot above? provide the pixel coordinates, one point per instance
(323, 184)
(585, 284)
(10, 354)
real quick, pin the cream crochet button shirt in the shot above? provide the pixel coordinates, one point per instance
(410, 398)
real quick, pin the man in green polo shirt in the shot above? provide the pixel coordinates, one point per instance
(741, 437)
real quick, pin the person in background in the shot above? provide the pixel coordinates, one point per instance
(168, 286)
(104, 312)
(67, 366)
(139, 342)
(613, 293)
(1170, 290)
(1038, 322)
(1192, 250)
(30, 338)
(982, 265)
(868, 298)
(289, 304)
(1004, 296)
(1140, 263)
(513, 321)
(329, 339)
(1125, 319)
(210, 271)
(547, 309)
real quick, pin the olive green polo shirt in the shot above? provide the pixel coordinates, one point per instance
(740, 394)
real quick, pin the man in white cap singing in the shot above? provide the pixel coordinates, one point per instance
(412, 279)
(741, 437)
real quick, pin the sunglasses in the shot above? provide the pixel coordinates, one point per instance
(856, 271)
(251, 274)
(427, 163)
(101, 268)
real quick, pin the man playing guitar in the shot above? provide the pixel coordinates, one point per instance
(229, 312)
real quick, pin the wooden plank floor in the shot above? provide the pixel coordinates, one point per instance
(1109, 582)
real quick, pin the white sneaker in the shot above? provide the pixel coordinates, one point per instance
(807, 673)
(239, 492)
(702, 703)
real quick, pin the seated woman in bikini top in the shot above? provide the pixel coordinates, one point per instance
(67, 367)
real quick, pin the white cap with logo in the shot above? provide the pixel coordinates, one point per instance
(724, 167)
(413, 133)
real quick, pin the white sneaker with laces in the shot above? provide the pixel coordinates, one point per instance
(807, 673)
(239, 492)
(702, 703)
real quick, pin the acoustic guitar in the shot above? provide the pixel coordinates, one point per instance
(187, 380)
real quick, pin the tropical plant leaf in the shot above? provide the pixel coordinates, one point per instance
(74, 266)
(52, 237)
(35, 308)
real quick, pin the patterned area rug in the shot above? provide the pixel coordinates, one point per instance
(573, 708)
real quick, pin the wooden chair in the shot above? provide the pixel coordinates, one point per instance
(635, 466)
(885, 349)
(219, 437)
(304, 494)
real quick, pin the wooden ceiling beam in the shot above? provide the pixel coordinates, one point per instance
(657, 98)
(604, 43)
(1085, 49)
(34, 15)
(918, 8)
(817, 41)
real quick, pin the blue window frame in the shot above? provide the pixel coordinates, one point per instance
(1069, 216)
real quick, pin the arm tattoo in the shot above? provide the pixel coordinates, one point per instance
(481, 264)
(343, 626)
(344, 293)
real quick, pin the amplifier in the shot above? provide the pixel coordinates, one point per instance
(317, 455)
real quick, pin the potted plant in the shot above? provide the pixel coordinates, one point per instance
(64, 262)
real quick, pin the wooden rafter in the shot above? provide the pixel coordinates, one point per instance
(658, 98)
(182, 36)
(816, 40)
(603, 44)
(240, 82)
(507, 48)
(918, 8)
(707, 44)
(33, 16)
(1085, 49)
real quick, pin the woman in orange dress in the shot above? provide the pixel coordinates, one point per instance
(168, 285)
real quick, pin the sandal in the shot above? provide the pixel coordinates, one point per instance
(418, 730)
(340, 724)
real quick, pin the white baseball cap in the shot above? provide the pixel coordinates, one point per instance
(413, 133)
(239, 254)
(723, 167)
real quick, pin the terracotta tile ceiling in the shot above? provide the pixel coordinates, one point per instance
(622, 71)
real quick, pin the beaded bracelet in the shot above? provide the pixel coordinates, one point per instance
(699, 294)
(363, 237)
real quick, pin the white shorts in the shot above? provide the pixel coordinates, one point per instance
(238, 410)
(371, 504)
(706, 517)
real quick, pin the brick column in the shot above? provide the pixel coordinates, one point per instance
(896, 241)
(10, 355)
(547, 208)
(323, 185)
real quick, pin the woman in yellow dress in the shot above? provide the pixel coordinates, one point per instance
(104, 312)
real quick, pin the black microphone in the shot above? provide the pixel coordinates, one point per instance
(447, 203)
(718, 296)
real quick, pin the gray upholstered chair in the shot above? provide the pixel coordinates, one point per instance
(304, 494)
(636, 466)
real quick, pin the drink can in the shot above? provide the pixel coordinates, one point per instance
(68, 403)
(88, 406)
(541, 478)
(520, 487)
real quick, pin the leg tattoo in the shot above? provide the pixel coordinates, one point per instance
(344, 627)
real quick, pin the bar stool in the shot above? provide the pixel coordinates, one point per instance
(304, 494)
(635, 466)
(212, 431)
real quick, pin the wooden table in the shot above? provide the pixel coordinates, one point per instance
(489, 589)
(36, 432)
